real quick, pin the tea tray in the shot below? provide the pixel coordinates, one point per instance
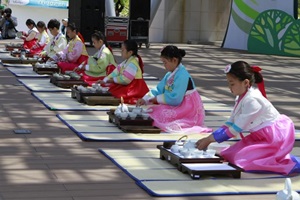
(197, 170)
(18, 54)
(76, 94)
(176, 160)
(101, 100)
(67, 83)
(140, 129)
(45, 70)
(138, 121)
(13, 47)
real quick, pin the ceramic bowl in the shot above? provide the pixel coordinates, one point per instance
(132, 115)
(69, 72)
(145, 116)
(59, 77)
(77, 77)
(92, 90)
(66, 77)
(123, 115)
(104, 89)
(210, 153)
(137, 110)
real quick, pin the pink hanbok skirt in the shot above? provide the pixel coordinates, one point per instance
(265, 150)
(188, 117)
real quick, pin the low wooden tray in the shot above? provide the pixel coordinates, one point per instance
(13, 47)
(67, 83)
(76, 94)
(12, 60)
(166, 154)
(138, 121)
(234, 172)
(140, 129)
(18, 54)
(101, 100)
(45, 70)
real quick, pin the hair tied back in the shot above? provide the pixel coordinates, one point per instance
(256, 69)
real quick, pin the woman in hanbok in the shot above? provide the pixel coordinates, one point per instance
(100, 64)
(272, 135)
(42, 40)
(30, 38)
(180, 108)
(74, 54)
(127, 79)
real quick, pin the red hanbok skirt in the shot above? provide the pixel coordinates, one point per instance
(68, 66)
(37, 51)
(131, 92)
(29, 44)
(91, 79)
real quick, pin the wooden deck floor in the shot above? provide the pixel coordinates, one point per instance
(52, 163)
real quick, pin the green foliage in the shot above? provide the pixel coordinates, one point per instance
(125, 11)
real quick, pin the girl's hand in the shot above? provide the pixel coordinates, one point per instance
(140, 102)
(100, 82)
(76, 69)
(204, 142)
(153, 100)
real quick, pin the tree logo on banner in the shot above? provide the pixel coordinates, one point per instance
(269, 32)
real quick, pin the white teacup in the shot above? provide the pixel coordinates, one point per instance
(210, 153)
(145, 116)
(123, 115)
(132, 115)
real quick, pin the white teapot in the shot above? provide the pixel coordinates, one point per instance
(190, 144)
(287, 193)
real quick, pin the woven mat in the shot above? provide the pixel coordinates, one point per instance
(160, 178)
(25, 72)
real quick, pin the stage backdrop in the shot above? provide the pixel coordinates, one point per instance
(62, 4)
(266, 26)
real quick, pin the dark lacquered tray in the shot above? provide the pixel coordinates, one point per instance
(101, 100)
(140, 129)
(196, 171)
(45, 70)
(76, 94)
(67, 83)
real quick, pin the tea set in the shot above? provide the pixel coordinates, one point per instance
(92, 89)
(66, 76)
(187, 149)
(124, 112)
(46, 65)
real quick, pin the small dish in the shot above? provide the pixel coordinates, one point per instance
(145, 116)
(132, 115)
(123, 115)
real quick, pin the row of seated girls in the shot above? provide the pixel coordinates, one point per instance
(175, 103)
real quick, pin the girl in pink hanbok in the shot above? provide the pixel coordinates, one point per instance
(180, 108)
(42, 40)
(267, 148)
(74, 54)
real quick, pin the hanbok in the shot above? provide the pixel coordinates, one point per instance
(180, 107)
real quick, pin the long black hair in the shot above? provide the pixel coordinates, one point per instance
(131, 45)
